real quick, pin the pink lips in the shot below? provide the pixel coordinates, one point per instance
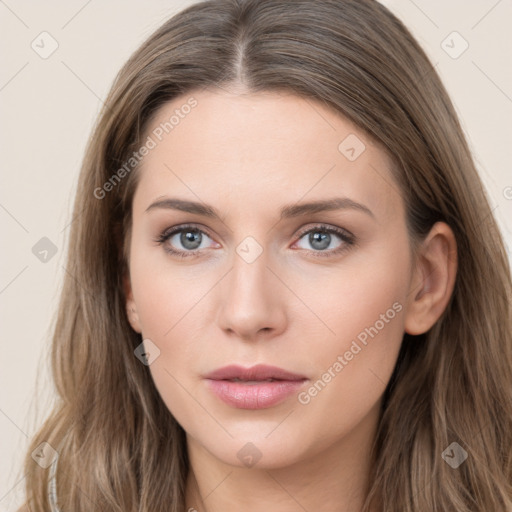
(257, 387)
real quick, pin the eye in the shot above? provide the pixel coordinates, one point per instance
(321, 237)
(192, 239)
(189, 237)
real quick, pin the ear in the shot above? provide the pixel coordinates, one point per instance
(433, 279)
(131, 308)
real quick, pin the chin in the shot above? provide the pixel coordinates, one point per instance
(257, 449)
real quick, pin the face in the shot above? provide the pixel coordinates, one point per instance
(319, 292)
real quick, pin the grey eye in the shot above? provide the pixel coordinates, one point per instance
(319, 240)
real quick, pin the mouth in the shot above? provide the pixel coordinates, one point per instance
(251, 382)
(258, 373)
(258, 387)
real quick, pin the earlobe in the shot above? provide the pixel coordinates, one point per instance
(131, 308)
(433, 280)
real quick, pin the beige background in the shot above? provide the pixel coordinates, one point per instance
(47, 110)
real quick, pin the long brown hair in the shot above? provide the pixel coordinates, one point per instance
(119, 448)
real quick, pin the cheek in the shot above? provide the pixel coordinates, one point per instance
(164, 291)
(354, 362)
(170, 303)
(167, 316)
(352, 373)
(345, 300)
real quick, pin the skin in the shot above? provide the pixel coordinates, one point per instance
(248, 155)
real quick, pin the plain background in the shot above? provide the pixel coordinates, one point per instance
(48, 106)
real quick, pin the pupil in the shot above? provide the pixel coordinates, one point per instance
(320, 240)
(190, 238)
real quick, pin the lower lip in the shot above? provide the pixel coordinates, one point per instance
(254, 396)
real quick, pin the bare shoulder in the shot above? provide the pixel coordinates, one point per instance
(24, 508)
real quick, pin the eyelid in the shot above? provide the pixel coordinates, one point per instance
(342, 232)
(181, 227)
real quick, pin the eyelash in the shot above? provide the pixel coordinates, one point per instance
(347, 238)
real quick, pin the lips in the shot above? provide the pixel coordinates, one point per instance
(256, 373)
(258, 387)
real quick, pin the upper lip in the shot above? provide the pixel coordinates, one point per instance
(258, 372)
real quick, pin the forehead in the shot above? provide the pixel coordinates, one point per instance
(261, 149)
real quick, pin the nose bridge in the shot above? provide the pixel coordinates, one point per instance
(250, 296)
(250, 277)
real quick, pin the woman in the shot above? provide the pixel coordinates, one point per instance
(286, 288)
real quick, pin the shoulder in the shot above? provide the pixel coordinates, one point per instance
(24, 508)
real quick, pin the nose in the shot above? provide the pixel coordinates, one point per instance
(251, 300)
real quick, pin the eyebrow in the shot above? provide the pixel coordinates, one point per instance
(286, 212)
